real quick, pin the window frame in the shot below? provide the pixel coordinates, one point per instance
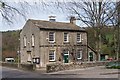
(54, 54)
(67, 37)
(80, 52)
(53, 37)
(24, 41)
(80, 37)
(33, 40)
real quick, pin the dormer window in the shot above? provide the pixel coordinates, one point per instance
(51, 36)
(78, 37)
(66, 37)
(33, 40)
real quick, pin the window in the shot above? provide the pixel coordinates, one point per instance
(52, 55)
(79, 54)
(33, 40)
(29, 58)
(51, 36)
(78, 37)
(24, 41)
(66, 37)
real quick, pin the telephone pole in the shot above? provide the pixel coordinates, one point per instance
(118, 30)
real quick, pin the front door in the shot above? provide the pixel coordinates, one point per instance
(102, 57)
(66, 57)
(91, 56)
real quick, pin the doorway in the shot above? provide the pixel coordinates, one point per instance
(91, 56)
(66, 57)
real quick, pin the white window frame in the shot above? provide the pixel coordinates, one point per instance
(25, 41)
(33, 40)
(67, 37)
(53, 55)
(53, 37)
(80, 53)
(80, 37)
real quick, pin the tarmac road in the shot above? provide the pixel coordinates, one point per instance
(92, 72)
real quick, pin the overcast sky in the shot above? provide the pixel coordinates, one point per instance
(35, 11)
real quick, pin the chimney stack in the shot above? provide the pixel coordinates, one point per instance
(72, 20)
(52, 18)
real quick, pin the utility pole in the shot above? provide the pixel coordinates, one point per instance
(19, 54)
(118, 30)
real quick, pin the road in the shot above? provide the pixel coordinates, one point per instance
(92, 72)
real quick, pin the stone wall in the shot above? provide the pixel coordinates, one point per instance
(61, 66)
(29, 67)
(14, 65)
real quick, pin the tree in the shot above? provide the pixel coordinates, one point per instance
(93, 13)
(118, 30)
(8, 11)
(11, 10)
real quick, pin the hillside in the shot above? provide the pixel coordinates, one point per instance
(108, 40)
(10, 43)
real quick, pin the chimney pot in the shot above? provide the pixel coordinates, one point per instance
(52, 18)
(72, 20)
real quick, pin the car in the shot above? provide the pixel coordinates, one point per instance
(9, 59)
(110, 59)
(113, 65)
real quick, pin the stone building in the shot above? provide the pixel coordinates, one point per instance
(44, 42)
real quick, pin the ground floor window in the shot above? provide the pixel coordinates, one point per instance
(29, 57)
(52, 55)
(79, 54)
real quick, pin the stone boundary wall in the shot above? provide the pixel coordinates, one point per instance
(29, 67)
(14, 65)
(68, 66)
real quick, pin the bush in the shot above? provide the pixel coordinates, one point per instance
(113, 65)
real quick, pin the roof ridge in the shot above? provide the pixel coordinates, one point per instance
(51, 22)
(54, 25)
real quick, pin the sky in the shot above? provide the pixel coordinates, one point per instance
(35, 11)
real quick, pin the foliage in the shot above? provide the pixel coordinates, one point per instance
(113, 65)
(108, 40)
(10, 42)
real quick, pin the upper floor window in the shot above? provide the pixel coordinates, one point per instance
(25, 41)
(33, 40)
(52, 55)
(78, 37)
(79, 54)
(66, 37)
(51, 36)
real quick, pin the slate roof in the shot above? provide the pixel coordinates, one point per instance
(55, 25)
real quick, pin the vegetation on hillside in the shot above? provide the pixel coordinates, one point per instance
(10, 43)
(108, 40)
